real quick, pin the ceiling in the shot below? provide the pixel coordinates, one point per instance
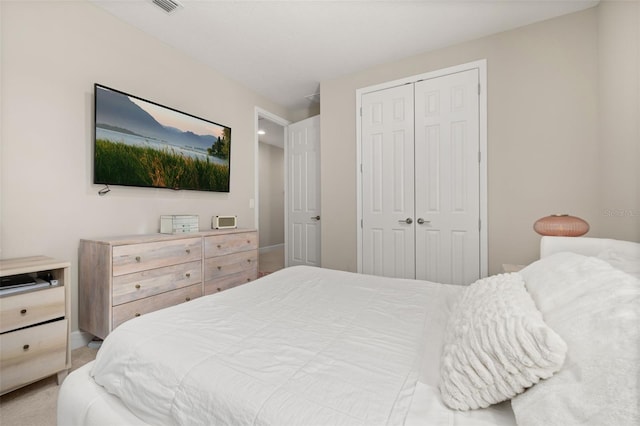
(284, 49)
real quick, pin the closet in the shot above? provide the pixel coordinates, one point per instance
(421, 175)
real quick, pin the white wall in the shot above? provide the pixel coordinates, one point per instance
(52, 54)
(542, 134)
(271, 186)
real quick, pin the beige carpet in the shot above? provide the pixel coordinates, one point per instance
(35, 405)
(270, 261)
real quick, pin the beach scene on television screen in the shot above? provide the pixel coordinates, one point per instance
(139, 143)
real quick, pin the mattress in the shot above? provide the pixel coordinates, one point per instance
(301, 346)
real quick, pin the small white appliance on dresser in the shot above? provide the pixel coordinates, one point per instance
(34, 321)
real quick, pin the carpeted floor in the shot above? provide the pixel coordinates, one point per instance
(36, 404)
(270, 261)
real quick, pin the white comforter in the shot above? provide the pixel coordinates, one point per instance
(296, 347)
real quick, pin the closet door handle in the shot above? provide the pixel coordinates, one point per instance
(408, 221)
(315, 217)
(421, 221)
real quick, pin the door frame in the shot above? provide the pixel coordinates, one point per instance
(481, 66)
(255, 203)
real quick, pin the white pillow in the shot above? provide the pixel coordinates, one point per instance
(627, 262)
(496, 345)
(595, 308)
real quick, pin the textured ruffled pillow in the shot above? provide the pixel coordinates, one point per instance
(496, 345)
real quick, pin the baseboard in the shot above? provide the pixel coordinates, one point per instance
(271, 248)
(79, 339)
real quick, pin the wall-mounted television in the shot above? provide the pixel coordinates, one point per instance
(141, 143)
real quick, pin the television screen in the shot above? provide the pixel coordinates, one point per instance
(141, 143)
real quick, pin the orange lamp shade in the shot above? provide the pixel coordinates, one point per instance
(561, 225)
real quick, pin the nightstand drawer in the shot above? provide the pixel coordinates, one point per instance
(230, 264)
(230, 281)
(232, 243)
(129, 287)
(139, 257)
(126, 311)
(32, 353)
(33, 307)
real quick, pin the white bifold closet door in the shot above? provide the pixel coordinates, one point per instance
(421, 180)
(388, 238)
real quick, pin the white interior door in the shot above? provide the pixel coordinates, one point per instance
(447, 202)
(388, 183)
(421, 179)
(303, 201)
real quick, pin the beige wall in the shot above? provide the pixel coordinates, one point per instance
(543, 146)
(619, 133)
(52, 54)
(271, 205)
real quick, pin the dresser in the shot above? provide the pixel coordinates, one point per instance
(35, 323)
(229, 260)
(120, 278)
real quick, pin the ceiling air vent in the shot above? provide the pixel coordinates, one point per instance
(168, 6)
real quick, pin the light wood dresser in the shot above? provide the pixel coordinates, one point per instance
(121, 278)
(35, 324)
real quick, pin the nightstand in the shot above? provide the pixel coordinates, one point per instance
(34, 323)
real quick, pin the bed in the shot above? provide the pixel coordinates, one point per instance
(556, 343)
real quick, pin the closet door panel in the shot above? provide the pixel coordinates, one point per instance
(388, 183)
(447, 191)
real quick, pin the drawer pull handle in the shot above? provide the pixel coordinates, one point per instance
(188, 251)
(137, 286)
(188, 274)
(248, 279)
(137, 315)
(219, 246)
(25, 348)
(219, 268)
(248, 241)
(219, 289)
(23, 311)
(138, 259)
(249, 260)
(187, 299)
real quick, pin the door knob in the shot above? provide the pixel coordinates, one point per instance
(315, 217)
(422, 221)
(408, 221)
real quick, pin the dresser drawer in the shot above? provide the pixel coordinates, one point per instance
(138, 285)
(126, 311)
(230, 281)
(139, 257)
(218, 245)
(24, 309)
(230, 264)
(32, 353)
